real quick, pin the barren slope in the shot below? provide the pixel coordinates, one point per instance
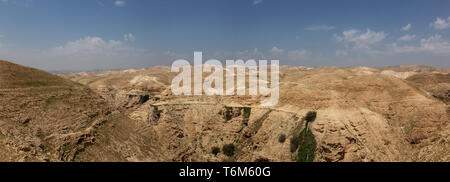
(44, 117)
(364, 114)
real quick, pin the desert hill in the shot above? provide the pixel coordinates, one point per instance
(44, 117)
(363, 114)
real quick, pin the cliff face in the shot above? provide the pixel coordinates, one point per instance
(363, 114)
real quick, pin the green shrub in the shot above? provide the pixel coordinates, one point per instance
(310, 116)
(229, 149)
(246, 116)
(282, 138)
(215, 150)
(307, 142)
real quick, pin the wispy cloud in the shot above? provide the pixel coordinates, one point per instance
(86, 53)
(17, 2)
(91, 45)
(434, 45)
(406, 27)
(129, 37)
(441, 23)
(319, 27)
(407, 37)
(92, 50)
(120, 3)
(359, 39)
(276, 50)
(256, 2)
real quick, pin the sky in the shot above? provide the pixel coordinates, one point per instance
(118, 34)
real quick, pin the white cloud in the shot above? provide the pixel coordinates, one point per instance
(407, 27)
(441, 24)
(17, 2)
(434, 45)
(319, 27)
(129, 37)
(120, 3)
(395, 49)
(359, 39)
(90, 45)
(83, 54)
(407, 38)
(255, 2)
(98, 52)
(276, 50)
(289, 56)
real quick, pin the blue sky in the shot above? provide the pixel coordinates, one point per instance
(108, 34)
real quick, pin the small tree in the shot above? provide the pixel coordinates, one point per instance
(307, 141)
(307, 149)
(229, 149)
(215, 150)
(311, 116)
(282, 138)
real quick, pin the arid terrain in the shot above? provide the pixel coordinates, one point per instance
(365, 114)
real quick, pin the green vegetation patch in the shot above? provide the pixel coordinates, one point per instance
(311, 116)
(246, 115)
(304, 142)
(229, 149)
(307, 146)
(215, 150)
(282, 138)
